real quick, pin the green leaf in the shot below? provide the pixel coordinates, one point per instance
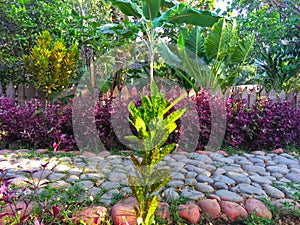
(151, 8)
(195, 17)
(158, 179)
(136, 189)
(217, 43)
(141, 127)
(174, 103)
(151, 206)
(128, 8)
(242, 49)
(168, 56)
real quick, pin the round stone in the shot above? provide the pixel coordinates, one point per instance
(249, 189)
(191, 174)
(61, 168)
(220, 185)
(177, 176)
(56, 176)
(294, 177)
(224, 179)
(260, 179)
(110, 185)
(85, 184)
(229, 196)
(272, 191)
(238, 177)
(170, 194)
(277, 169)
(205, 188)
(204, 179)
(117, 177)
(254, 169)
(284, 160)
(192, 194)
(175, 183)
(91, 176)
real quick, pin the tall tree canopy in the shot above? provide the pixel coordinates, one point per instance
(276, 24)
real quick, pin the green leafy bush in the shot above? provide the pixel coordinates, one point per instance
(51, 64)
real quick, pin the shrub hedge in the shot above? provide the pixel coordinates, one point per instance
(263, 126)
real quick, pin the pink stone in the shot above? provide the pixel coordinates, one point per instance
(233, 211)
(5, 151)
(277, 151)
(210, 207)
(123, 212)
(259, 152)
(203, 152)
(104, 153)
(41, 150)
(189, 212)
(257, 208)
(90, 215)
(279, 203)
(163, 210)
(222, 153)
(89, 154)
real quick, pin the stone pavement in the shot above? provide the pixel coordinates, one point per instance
(195, 176)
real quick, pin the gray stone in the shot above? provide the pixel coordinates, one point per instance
(60, 184)
(42, 174)
(85, 184)
(192, 194)
(239, 177)
(117, 177)
(204, 188)
(177, 176)
(75, 171)
(94, 191)
(175, 183)
(190, 181)
(110, 185)
(256, 160)
(205, 179)
(61, 168)
(294, 177)
(56, 176)
(222, 159)
(277, 169)
(170, 194)
(226, 195)
(277, 175)
(249, 189)
(192, 168)
(79, 164)
(220, 185)
(254, 169)
(224, 179)
(270, 178)
(245, 162)
(72, 178)
(91, 176)
(219, 171)
(271, 163)
(273, 192)
(203, 158)
(179, 157)
(233, 169)
(191, 174)
(284, 160)
(260, 179)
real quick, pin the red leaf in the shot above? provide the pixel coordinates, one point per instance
(55, 211)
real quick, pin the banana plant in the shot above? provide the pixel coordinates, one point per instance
(153, 128)
(157, 13)
(205, 60)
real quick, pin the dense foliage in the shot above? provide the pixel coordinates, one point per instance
(264, 126)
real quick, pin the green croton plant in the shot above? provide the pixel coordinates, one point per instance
(153, 127)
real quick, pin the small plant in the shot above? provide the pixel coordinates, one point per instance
(153, 129)
(51, 64)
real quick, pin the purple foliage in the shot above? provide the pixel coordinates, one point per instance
(264, 126)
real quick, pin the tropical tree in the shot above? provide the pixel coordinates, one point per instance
(276, 24)
(156, 14)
